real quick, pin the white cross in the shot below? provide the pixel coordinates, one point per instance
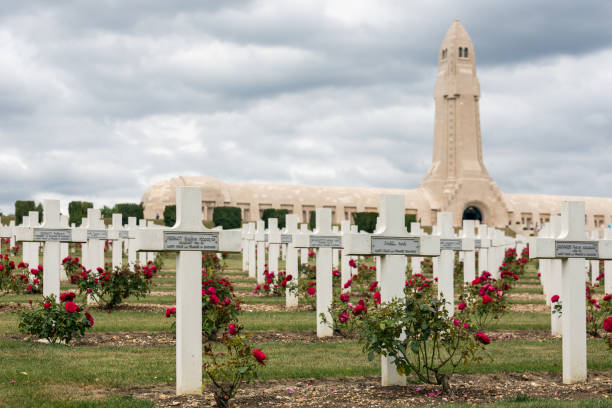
(251, 249)
(5, 232)
(594, 262)
(274, 246)
(304, 251)
(131, 240)
(142, 256)
(324, 239)
(291, 265)
(572, 247)
(415, 261)
(117, 233)
(469, 256)
(30, 249)
(448, 244)
(93, 252)
(190, 238)
(496, 251)
(52, 233)
(64, 245)
(12, 229)
(244, 244)
(260, 239)
(345, 269)
(554, 272)
(392, 243)
(482, 243)
(607, 264)
(335, 251)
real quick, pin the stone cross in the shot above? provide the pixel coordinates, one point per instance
(594, 262)
(5, 232)
(142, 256)
(250, 236)
(448, 245)
(52, 233)
(245, 247)
(260, 239)
(554, 271)
(607, 265)
(12, 229)
(151, 255)
(493, 254)
(415, 261)
(274, 247)
(291, 264)
(392, 243)
(30, 250)
(482, 243)
(64, 245)
(116, 234)
(131, 242)
(573, 248)
(189, 237)
(469, 256)
(325, 240)
(93, 253)
(544, 264)
(345, 268)
(304, 251)
(335, 251)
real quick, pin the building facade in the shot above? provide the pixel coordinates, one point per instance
(457, 181)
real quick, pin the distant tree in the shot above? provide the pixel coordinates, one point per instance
(170, 215)
(409, 218)
(22, 207)
(227, 217)
(365, 221)
(106, 212)
(77, 210)
(275, 213)
(129, 210)
(312, 222)
(40, 210)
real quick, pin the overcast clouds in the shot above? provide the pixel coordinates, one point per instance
(98, 100)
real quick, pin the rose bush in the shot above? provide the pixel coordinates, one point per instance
(55, 321)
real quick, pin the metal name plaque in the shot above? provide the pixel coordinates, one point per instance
(124, 234)
(97, 234)
(395, 246)
(450, 245)
(576, 249)
(52, 235)
(191, 241)
(286, 238)
(477, 243)
(325, 242)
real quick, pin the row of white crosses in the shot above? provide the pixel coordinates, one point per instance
(573, 248)
(190, 238)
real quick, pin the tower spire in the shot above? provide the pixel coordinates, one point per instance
(457, 153)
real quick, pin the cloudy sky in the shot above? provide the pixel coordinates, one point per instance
(101, 99)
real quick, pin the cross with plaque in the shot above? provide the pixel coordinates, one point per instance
(12, 233)
(573, 248)
(392, 243)
(190, 238)
(64, 250)
(52, 233)
(291, 264)
(482, 243)
(96, 235)
(607, 264)
(131, 228)
(30, 254)
(415, 261)
(449, 244)
(252, 250)
(304, 251)
(324, 239)
(469, 256)
(555, 268)
(244, 245)
(260, 240)
(335, 251)
(594, 262)
(5, 232)
(345, 268)
(142, 256)
(274, 246)
(117, 233)
(496, 251)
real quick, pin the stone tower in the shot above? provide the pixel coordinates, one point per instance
(458, 180)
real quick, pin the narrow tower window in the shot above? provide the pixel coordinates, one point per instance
(465, 52)
(460, 52)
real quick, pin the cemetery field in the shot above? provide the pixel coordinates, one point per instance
(128, 359)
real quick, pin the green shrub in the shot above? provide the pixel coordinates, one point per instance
(365, 221)
(227, 217)
(77, 210)
(408, 219)
(55, 321)
(22, 208)
(129, 210)
(312, 223)
(275, 213)
(170, 215)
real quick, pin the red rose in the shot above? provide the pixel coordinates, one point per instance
(607, 324)
(29, 288)
(607, 297)
(71, 307)
(89, 319)
(47, 305)
(554, 298)
(170, 311)
(34, 272)
(347, 284)
(486, 299)
(483, 338)
(476, 281)
(266, 287)
(232, 329)
(288, 277)
(336, 272)
(344, 297)
(311, 291)
(360, 308)
(227, 301)
(259, 356)
(461, 306)
(67, 297)
(344, 317)
(376, 297)
(373, 286)
(214, 299)
(352, 263)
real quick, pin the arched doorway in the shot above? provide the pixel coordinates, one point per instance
(472, 213)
